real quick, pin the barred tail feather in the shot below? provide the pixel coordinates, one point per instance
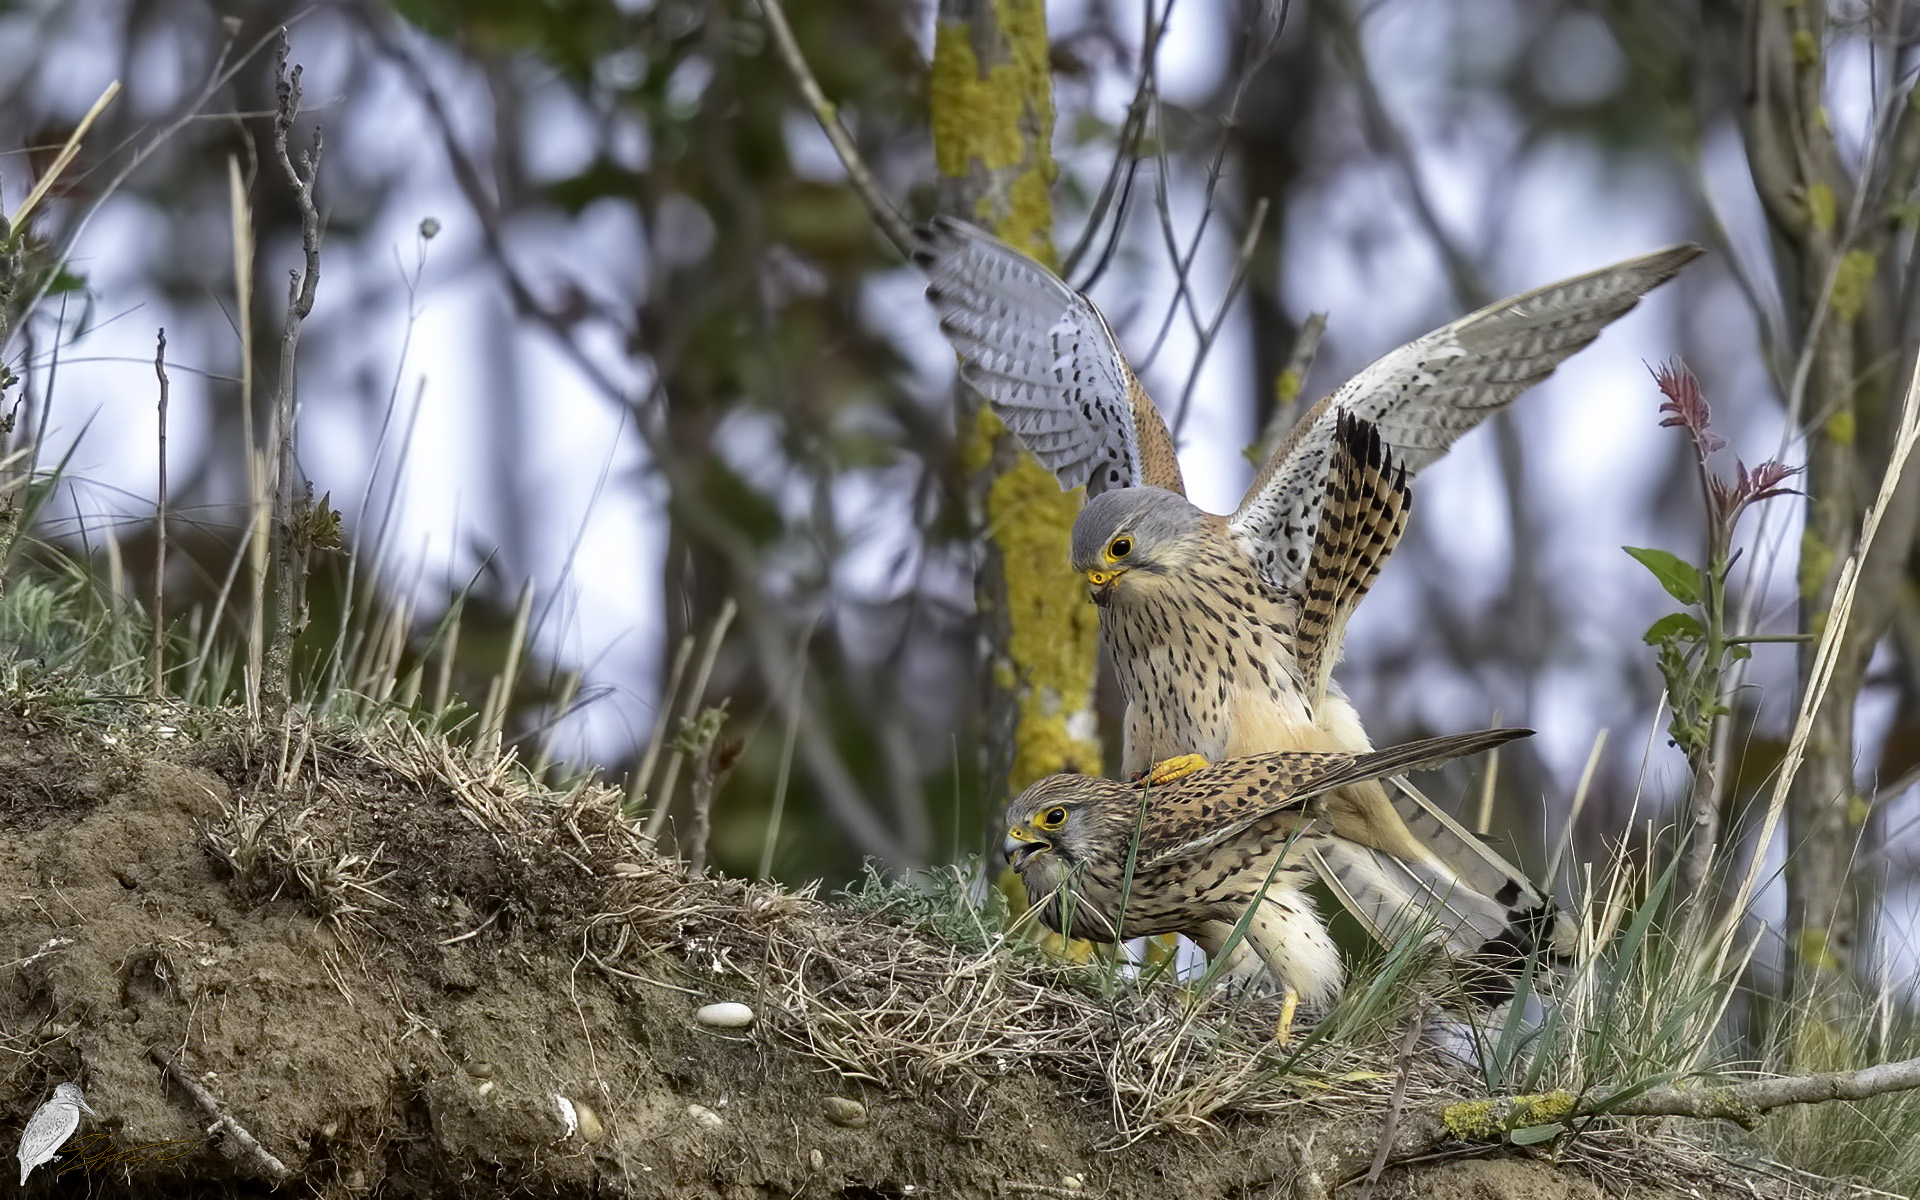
(1479, 866)
(1362, 516)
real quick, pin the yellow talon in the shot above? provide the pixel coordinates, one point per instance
(1178, 767)
(1283, 1028)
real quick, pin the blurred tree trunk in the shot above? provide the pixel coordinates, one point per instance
(992, 116)
(1841, 297)
(1267, 134)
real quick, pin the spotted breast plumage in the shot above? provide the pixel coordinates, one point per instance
(1238, 842)
(1211, 621)
(1224, 630)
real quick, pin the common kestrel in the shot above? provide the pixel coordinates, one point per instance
(1210, 620)
(1240, 840)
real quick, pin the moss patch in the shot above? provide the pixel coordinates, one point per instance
(1851, 283)
(991, 108)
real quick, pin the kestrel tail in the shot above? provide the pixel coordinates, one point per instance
(1238, 842)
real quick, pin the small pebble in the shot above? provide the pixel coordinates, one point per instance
(480, 1070)
(1072, 1183)
(590, 1128)
(819, 1161)
(569, 1120)
(842, 1111)
(705, 1116)
(726, 1015)
(486, 1087)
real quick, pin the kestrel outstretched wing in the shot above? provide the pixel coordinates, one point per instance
(1213, 806)
(1363, 512)
(1424, 395)
(1046, 361)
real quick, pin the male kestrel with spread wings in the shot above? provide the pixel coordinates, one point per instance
(1224, 630)
(1239, 842)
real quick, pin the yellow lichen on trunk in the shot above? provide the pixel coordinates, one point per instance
(991, 110)
(1052, 647)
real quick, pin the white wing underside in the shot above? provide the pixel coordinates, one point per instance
(1425, 395)
(1039, 352)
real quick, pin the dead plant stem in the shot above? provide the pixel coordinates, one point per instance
(160, 528)
(290, 502)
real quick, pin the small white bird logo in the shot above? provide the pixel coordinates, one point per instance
(50, 1126)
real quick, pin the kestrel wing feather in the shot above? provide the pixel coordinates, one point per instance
(1477, 864)
(1047, 362)
(1231, 798)
(1424, 395)
(1362, 516)
(1390, 897)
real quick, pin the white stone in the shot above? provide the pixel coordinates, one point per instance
(725, 1015)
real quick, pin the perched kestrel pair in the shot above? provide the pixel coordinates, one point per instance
(1224, 630)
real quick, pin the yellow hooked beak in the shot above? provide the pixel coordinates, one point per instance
(1100, 583)
(1022, 844)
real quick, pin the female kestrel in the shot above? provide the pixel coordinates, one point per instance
(1238, 842)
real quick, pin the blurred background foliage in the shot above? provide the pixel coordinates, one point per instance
(663, 359)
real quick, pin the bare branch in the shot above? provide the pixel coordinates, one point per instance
(1293, 378)
(244, 1146)
(1242, 259)
(290, 500)
(1126, 159)
(885, 215)
(1346, 1156)
(1743, 1102)
(1256, 59)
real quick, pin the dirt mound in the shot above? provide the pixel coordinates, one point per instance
(361, 964)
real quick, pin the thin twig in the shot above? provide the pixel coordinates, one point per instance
(859, 176)
(1391, 1121)
(289, 536)
(658, 818)
(1292, 384)
(247, 1145)
(643, 777)
(786, 754)
(1126, 158)
(160, 527)
(1242, 260)
(1183, 262)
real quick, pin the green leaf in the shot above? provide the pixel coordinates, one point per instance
(1533, 1135)
(1739, 653)
(64, 281)
(1673, 626)
(1680, 577)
